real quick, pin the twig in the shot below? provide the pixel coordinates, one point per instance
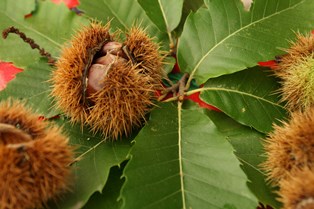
(177, 88)
(77, 11)
(30, 41)
(182, 88)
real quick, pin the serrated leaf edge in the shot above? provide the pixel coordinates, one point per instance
(233, 33)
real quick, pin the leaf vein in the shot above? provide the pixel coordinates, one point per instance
(237, 92)
(89, 150)
(162, 199)
(227, 189)
(116, 16)
(235, 32)
(180, 153)
(35, 31)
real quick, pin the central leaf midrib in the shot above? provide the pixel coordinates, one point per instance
(241, 93)
(164, 15)
(180, 154)
(78, 158)
(116, 15)
(235, 32)
(252, 166)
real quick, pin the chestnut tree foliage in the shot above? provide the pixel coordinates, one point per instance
(184, 156)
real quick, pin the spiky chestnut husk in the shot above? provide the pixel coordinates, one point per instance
(290, 147)
(296, 70)
(67, 78)
(297, 191)
(15, 114)
(125, 99)
(124, 94)
(34, 159)
(145, 51)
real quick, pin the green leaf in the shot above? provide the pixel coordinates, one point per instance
(188, 7)
(169, 63)
(123, 15)
(108, 199)
(50, 27)
(224, 38)
(166, 14)
(180, 160)
(249, 150)
(95, 158)
(32, 86)
(248, 97)
(95, 155)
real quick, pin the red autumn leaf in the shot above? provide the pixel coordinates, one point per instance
(176, 68)
(7, 73)
(193, 97)
(51, 118)
(270, 64)
(70, 3)
(196, 98)
(7, 69)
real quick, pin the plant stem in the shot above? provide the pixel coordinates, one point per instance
(178, 87)
(30, 41)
